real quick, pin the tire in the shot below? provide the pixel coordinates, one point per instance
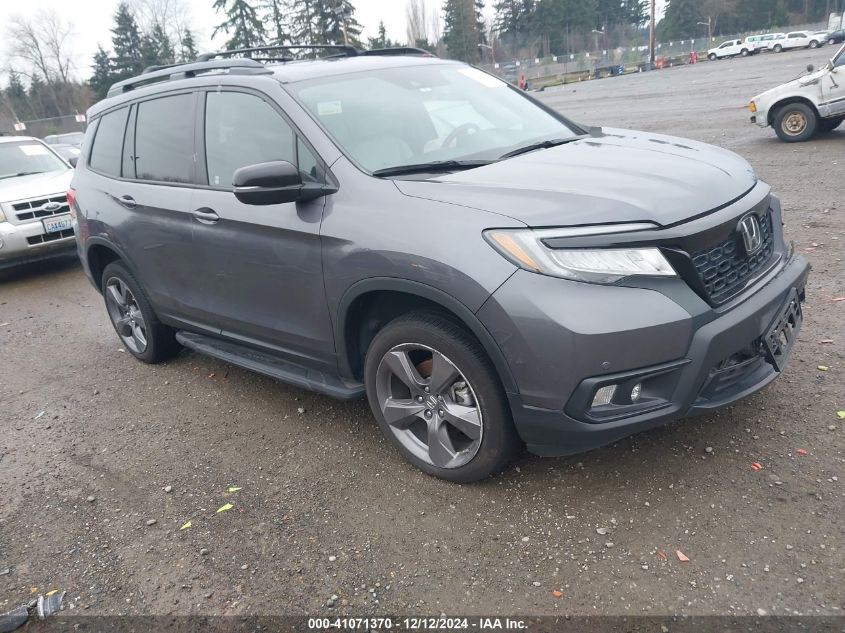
(795, 122)
(134, 320)
(778, 48)
(831, 41)
(744, 52)
(828, 125)
(420, 427)
(814, 44)
(712, 57)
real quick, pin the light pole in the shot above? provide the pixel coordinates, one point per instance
(709, 25)
(651, 34)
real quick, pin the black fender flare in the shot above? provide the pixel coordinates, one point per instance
(424, 291)
(96, 240)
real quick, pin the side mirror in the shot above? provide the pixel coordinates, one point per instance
(275, 182)
(810, 68)
(73, 160)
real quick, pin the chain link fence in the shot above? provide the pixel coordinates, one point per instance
(44, 127)
(594, 64)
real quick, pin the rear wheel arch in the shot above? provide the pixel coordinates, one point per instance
(370, 304)
(100, 255)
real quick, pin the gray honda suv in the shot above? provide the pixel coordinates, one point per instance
(488, 273)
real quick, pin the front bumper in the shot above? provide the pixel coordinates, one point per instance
(607, 336)
(16, 249)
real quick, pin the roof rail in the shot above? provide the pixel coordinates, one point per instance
(346, 51)
(184, 71)
(399, 50)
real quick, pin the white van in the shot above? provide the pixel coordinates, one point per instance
(758, 43)
(800, 108)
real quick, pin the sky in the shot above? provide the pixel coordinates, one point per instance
(93, 19)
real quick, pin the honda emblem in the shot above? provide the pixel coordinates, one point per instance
(752, 236)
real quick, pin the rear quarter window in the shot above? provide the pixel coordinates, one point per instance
(164, 139)
(107, 148)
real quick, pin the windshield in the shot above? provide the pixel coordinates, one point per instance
(415, 115)
(27, 157)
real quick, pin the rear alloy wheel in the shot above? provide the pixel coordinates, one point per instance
(814, 44)
(795, 122)
(144, 336)
(744, 52)
(437, 397)
(712, 57)
(778, 48)
(831, 41)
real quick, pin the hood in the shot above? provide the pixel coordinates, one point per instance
(610, 176)
(23, 187)
(790, 86)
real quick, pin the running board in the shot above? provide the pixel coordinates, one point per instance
(270, 365)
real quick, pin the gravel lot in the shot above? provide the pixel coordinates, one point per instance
(96, 488)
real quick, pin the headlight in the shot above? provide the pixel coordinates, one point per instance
(525, 248)
(752, 106)
(2, 216)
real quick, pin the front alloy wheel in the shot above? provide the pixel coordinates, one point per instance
(429, 405)
(438, 398)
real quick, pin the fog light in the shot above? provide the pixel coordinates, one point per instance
(604, 395)
(635, 392)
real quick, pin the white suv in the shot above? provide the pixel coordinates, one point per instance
(35, 221)
(800, 108)
(731, 48)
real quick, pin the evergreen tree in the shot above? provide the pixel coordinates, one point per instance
(275, 17)
(681, 19)
(126, 42)
(464, 29)
(242, 22)
(187, 48)
(513, 21)
(102, 77)
(332, 16)
(382, 41)
(156, 48)
(16, 97)
(303, 21)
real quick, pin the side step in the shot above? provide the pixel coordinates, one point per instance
(269, 365)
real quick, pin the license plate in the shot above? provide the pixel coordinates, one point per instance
(782, 334)
(58, 223)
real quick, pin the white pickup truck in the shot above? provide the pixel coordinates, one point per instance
(796, 39)
(800, 108)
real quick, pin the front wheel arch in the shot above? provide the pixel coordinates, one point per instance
(356, 323)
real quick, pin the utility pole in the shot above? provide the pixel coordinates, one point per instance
(651, 35)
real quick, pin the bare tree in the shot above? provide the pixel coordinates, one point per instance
(417, 28)
(42, 47)
(172, 16)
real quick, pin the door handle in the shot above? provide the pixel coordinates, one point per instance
(206, 216)
(127, 201)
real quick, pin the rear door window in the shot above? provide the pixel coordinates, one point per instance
(164, 139)
(108, 143)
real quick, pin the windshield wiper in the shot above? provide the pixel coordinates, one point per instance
(539, 145)
(21, 173)
(434, 166)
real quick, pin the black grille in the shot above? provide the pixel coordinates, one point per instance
(49, 237)
(724, 268)
(32, 209)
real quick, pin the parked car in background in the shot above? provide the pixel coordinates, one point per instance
(70, 138)
(731, 48)
(758, 43)
(487, 272)
(805, 106)
(836, 37)
(796, 39)
(69, 152)
(35, 220)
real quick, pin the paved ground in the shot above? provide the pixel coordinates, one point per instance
(328, 508)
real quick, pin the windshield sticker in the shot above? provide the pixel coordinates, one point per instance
(33, 150)
(483, 78)
(328, 108)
